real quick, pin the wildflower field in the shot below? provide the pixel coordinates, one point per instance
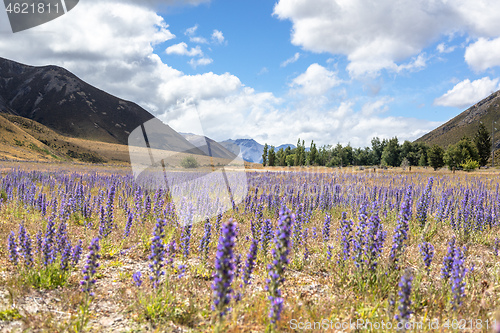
(342, 250)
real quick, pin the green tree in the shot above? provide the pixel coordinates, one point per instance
(264, 155)
(457, 154)
(313, 154)
(290, 160)
(377, 149)
(281, 157)
(271, 156)
(390, 155)
(482, 140)
(300, 153)
(435, 157)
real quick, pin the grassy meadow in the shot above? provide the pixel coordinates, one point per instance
(308, 249)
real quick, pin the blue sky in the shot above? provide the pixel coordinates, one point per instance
(329, 70)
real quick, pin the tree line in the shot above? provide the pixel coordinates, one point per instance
(466, 154)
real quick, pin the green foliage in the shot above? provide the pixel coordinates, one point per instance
(470, 165)
(264, 155)
(189, 162)
(390, 155)
(290, 160)
(49, 277)
(460, 152)
(271, 156)
(281, 157)
(435, 157)
(10, 315)
(482, 140)
(300, 154)
(313, 154)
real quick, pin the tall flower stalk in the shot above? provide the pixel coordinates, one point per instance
(280, 260)
(224, 269)
(88, 282)
(401, 231)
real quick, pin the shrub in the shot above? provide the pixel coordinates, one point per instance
(470, 165)
(189, 162)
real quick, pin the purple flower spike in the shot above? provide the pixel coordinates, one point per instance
(224, 269)
(90, 268)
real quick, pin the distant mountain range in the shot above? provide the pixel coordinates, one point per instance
(251, 150)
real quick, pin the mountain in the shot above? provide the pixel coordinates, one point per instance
(285, 146)
(466, 123)
(56, 98)
(209, 146)
(251, 150)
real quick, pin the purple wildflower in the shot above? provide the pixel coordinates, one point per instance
(448, 260)
(90, 268)
(250, 262)
(224, 269)
(458, 274)
(137, 278)
(427, 251)
(280, 260)
(157, 253)
(326, 228)
(404, 298)
(401, 231)
(13, 254)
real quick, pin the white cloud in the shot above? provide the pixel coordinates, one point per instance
(291, 60)
(191, 31)
(217, 37)
(377, 35)
(483, 54)
(182, 49)
(315, 81)
(466, 93)
(110, 44)
(442, 48)
(199, 87)
(376, 107)
(263, 117)
(198, 40)
(200, 62)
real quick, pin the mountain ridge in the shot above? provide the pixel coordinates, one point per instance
(467, 122)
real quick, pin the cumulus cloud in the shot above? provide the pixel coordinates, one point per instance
(200, 62)
(377, 35)
(264, 117)
(291, 60)
(315, 81)
(110, 44)
(483, 54)
(217, 37)
(182, 49)
(466, 93)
